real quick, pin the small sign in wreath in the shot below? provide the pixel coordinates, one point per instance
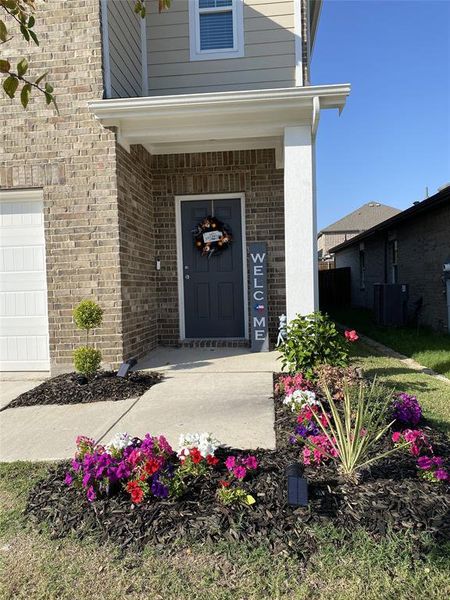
(211, 236)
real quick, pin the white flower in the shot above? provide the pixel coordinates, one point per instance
(205, 443)
(299, 398)
(119, 442)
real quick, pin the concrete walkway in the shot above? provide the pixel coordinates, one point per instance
(226, 391)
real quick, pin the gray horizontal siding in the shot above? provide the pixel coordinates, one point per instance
(268, 61)
(124, 49)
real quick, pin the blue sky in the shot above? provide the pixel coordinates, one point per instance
(393, 137)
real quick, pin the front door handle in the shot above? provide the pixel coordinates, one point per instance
(186, 277)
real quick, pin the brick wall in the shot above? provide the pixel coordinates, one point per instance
(137, 251)
(252, 172)
(423, 247)
(72, 157)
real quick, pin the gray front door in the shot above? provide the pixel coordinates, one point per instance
(213, 287)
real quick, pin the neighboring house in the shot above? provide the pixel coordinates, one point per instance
(361, 219)
(409, 248)
(204, 109)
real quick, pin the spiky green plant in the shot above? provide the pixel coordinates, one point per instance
(356, 425)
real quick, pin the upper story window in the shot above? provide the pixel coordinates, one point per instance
(216, 29)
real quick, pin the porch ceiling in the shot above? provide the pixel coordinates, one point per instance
(217, 121)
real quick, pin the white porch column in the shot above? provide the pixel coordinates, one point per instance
(302, 294)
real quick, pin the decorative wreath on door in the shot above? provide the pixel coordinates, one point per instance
(211, 236)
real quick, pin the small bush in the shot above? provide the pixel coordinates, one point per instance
(313, 340)
(88, 315)
(87, 360)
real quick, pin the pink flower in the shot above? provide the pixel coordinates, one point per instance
(396, 437)
(441, 474)
(240, 472)
(251, 462)
(425, 462)
(351, 335)
(307, 456)
(230, 462)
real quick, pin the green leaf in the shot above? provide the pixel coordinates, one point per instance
(31, 21)
(22, 67)
(25, 94)
(25, 33)
(40, 78)
(48, 98)
(4, 66)
(34, 37)
(249, 500)
(3, 32)
(48, 88)
(10, 86)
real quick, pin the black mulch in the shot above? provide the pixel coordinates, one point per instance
(105, 385)
(390, 497)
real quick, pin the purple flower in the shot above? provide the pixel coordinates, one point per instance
(438, 461)
(76, 465)
(441, 474)
(407, 409)
(425, 462)
(159, 489)
(251, 462)
(68, 479)
(90, 494)
(86, 479)
(230, 462)
(122, 471)
(240, 472)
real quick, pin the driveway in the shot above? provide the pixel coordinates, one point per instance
(226, 391)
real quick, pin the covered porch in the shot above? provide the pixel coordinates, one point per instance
(254, 148)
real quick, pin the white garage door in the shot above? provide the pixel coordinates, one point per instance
(23, 289)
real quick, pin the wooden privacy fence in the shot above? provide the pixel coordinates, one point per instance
(335, 288)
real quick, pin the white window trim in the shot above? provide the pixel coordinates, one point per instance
(194, 33)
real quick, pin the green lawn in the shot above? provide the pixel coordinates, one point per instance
(433, 394)
(34, 566)
(428, 348)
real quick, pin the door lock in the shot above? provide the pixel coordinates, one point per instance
(186, 277)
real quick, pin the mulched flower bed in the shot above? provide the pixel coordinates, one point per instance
(105, 385)
(389, 497)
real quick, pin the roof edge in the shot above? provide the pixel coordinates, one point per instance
(431, 203)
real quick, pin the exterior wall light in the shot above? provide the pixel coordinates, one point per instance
(297, 486)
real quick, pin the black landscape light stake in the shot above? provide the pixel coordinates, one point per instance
(125, 367)
(297, 486)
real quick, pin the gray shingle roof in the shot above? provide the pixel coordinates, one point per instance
(364, 217)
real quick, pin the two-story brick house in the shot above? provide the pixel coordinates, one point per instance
(204, 109)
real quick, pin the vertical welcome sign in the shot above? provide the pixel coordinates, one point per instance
(257, 252)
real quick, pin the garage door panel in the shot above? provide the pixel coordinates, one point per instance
(14, 259)
(23, 291)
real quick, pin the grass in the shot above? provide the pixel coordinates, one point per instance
(433, 394)
(427, 347)
(36, 567)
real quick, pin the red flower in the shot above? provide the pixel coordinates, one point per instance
(137, 495)
(224, 483)
(151, 466)
(212, 460)
(351, 335)
(196, 456)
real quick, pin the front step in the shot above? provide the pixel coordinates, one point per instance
(214, 343)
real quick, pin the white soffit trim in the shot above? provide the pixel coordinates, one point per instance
(216, 118)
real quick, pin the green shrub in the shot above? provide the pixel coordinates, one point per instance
(313, 340)
(87, 315)
(87, 360)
